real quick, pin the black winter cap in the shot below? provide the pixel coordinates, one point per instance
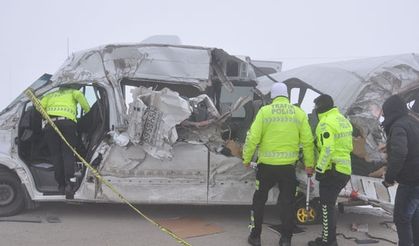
(394, 105)
(393, 108)
(323, 103)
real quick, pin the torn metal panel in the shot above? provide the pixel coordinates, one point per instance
(211, 135)
(121, 139)
(337, 82)
(212, 110)
(153, 118)
(359, 88)
(81, 66)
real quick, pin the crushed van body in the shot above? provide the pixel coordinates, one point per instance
(166, 125)
(359, 88)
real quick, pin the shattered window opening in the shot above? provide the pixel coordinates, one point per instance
(184, 90)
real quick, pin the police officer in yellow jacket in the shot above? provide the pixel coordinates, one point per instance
(278, 132)
(333, 168)
(61, 106)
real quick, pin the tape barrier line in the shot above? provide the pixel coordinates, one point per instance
(44, 114)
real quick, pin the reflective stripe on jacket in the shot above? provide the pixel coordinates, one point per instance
(279, 130)
(64, 103)
(334, 142)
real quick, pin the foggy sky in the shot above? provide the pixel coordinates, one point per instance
(34, 34)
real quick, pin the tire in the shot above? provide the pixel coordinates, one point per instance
(12, 198)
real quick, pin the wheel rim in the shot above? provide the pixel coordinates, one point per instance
(301, 215)
(305, 216)
(7, 194)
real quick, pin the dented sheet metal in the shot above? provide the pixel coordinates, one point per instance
(153, 116)
(212, 110)
(145, 179)
(359, 88)
(185, 64)
(229, 182)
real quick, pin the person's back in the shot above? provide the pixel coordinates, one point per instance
(403, 166)
(281, 127)
(63, 102)
(409, 172)
(340, 129)
(278, 131)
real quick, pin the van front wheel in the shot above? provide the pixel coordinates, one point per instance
(11, 194)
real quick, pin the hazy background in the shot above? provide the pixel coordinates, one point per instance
(34, 34)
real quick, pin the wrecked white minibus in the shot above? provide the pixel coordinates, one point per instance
(166, 125)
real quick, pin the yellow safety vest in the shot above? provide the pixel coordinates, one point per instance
(279, 130)
(64, 103)
(334, 142)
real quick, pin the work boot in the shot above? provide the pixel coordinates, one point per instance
(254, 240)
(285, 241)
(319, 242)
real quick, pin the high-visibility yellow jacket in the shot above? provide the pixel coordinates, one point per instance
(334, 142)
(64, 103)
(279, 130)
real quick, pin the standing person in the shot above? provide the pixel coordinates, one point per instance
(333, 168)
(279, 130)
(403, 166)
(61, 106)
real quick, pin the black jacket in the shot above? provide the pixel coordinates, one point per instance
(402, 145)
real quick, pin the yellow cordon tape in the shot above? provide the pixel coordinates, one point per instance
(44, 114)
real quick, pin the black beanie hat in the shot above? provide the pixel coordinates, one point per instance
(393, 108)
(394, 105)
(323, 103)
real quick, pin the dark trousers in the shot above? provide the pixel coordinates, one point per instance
(406, 214)
(266, 177)
(329, 187)
(61, 155)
